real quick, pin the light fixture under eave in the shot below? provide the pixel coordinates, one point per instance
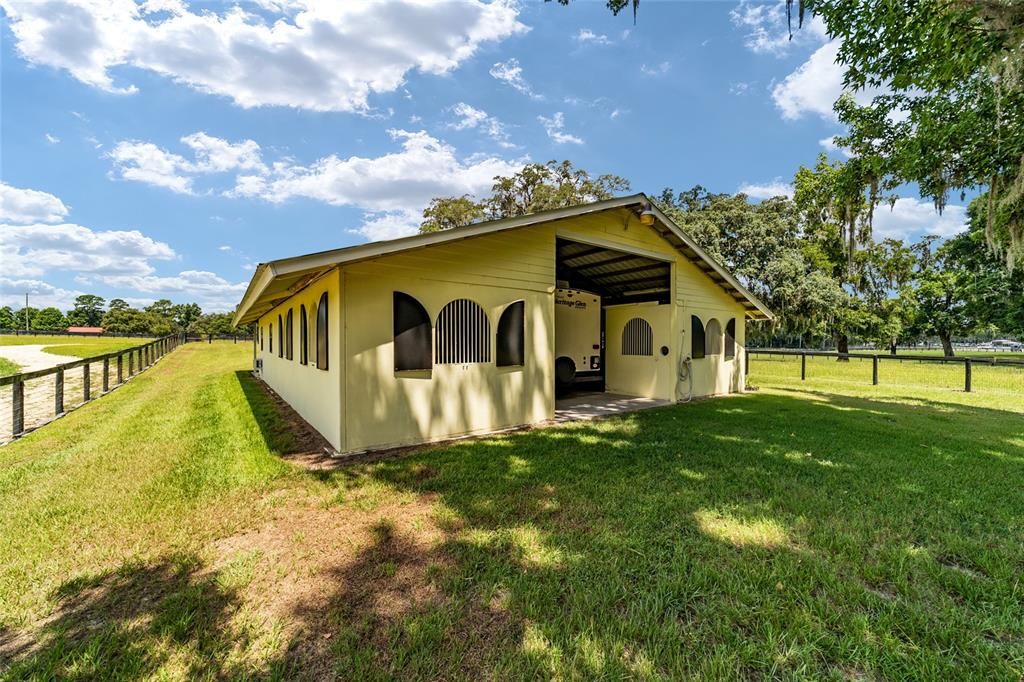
(647, 215)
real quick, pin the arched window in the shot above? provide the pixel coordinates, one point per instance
(321, 332)
(730, 339)
(463, 334)
(280, 338)
(638, 337)
(511, 340)
(696, 337)
(303, 336)
(270, 335)
(713, 337)
(289, 337)
(412, 333)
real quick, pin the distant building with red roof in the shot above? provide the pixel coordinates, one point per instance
(85, 331)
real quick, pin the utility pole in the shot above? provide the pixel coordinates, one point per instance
(26, 311)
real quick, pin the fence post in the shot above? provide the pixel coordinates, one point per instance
(131, 364)
(58, 392)
(120, 369)
(746, 361)
(85, 382)
(803, 366)
(967, 375)
(874, 370)
(18, 407)
(106, 374)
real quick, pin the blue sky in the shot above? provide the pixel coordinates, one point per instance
(161, 149)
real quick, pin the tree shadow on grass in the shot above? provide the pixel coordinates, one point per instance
(285, 432)
(139, 620)
(761, 535)
(392, 609)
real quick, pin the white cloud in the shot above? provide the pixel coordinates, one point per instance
(24, 206)
(554, 128)
(510, 73)
(224, 248)
(52, 139)
(147, 163)
(616, 113)
(215, 155)
(211, 291)
(586, 36)
(740, 88)
(471, 117)
(768, 30)
(656, 70)
(389, 225)
(767, 190)
(116, 258)
(393, 189)
(33, 250)
(322, 56)
(815, 86)
(911, 218)
(41, 294)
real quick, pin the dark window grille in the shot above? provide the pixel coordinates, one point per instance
(270, 335)
(411, 332)
(289, 336)
(321, 333)
(280, 337)
(260, 330)
(637, 337)
(696, 337)
(511, 340)
(303, 336)
(463, 334)
(730, 339)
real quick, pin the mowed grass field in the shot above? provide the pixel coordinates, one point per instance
(826, 530)
(986, 380)
(74, 346)
(7, 367)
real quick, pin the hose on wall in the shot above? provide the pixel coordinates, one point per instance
(685, 374)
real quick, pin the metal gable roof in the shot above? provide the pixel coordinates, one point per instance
(278, 280)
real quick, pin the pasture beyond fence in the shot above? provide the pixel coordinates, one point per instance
(959, 373)
(31, 399)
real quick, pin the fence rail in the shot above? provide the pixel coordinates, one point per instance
(31, 392)
(877, 358)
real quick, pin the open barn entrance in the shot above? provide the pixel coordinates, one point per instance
(604, 292)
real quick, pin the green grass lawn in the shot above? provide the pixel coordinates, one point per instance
(75, 346)
(8, 368)
(828, 529)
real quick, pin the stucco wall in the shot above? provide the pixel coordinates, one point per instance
(652, 376)
(386, 408)
(694, 294)
(314, 393)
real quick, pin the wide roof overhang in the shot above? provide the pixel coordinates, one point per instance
(278, 280)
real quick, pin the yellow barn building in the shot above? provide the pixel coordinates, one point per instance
(453, 333)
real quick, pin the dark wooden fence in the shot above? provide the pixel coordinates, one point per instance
(114, 369)
(876, 358)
